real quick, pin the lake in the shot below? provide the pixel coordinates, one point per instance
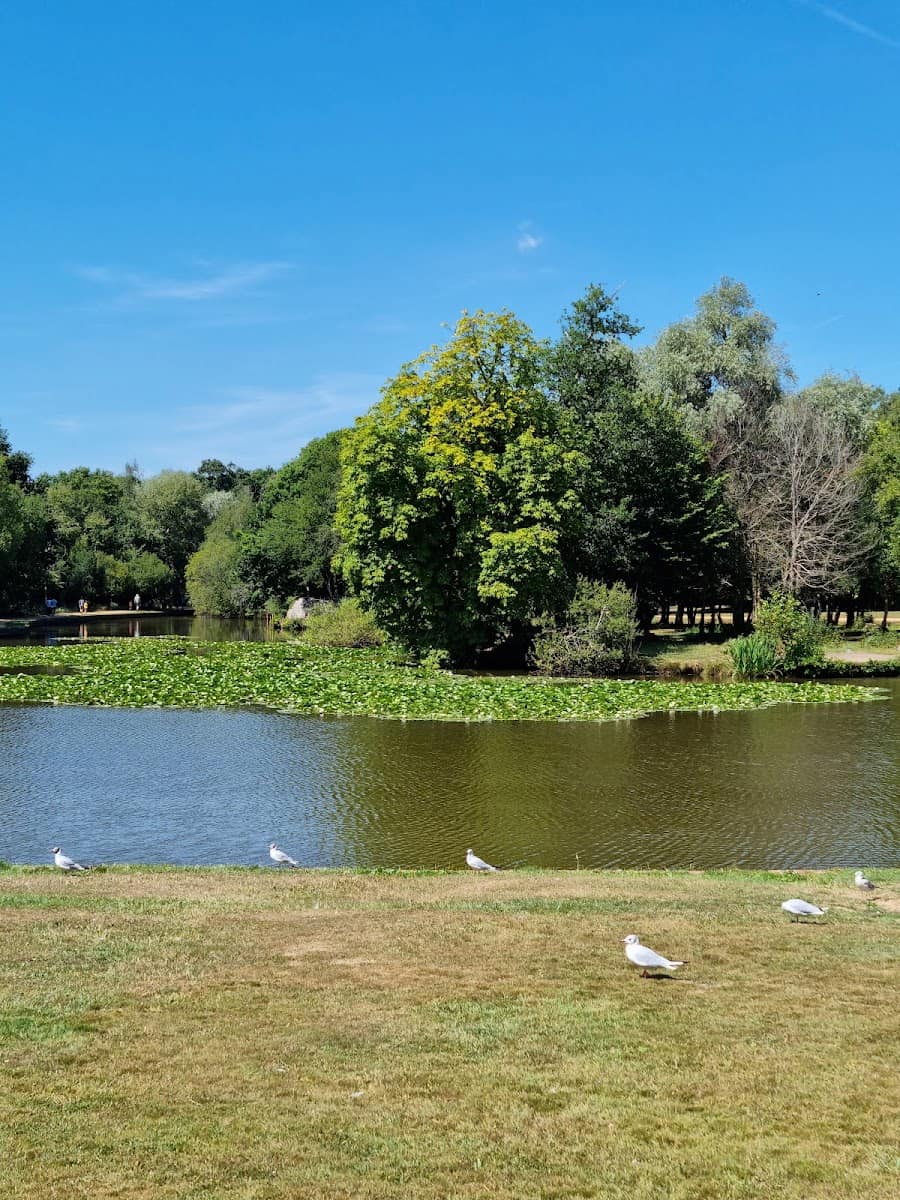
(791, 786)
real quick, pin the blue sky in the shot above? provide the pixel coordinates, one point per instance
(225, 224)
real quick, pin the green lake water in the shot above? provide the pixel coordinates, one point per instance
(793, 785)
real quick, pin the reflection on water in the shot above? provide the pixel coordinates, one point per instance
(791, 786)
(130, 625)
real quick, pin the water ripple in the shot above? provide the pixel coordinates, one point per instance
(792, 786)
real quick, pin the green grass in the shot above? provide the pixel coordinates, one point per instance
(678, 652)
(250, 1034)
(332, 681)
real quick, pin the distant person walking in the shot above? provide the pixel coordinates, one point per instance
(51, 607)
(137, 601)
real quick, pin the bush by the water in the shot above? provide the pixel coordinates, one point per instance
(598, 635)
(797, 636)
(753, 656)
(785, 638)
(344, 624)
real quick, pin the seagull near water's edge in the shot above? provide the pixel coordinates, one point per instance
(647, 959)
(864, 884)
(65, 863)
(279, 856)
(478, 864)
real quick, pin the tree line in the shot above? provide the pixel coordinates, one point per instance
(498, 474)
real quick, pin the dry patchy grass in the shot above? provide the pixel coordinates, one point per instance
(245, 1034)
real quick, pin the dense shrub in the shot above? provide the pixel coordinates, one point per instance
(796, 636)
(344, 624)
(597, 636)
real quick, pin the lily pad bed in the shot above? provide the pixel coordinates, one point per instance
(176, 672)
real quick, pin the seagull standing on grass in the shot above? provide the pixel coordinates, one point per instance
(865, 885)
(802, 908)
(279, 856)
(478, 864)
(647, 959)
(65, 863)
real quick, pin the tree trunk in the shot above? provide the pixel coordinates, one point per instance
(756, 585)
(679, 617)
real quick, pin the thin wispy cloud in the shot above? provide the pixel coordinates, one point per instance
(226, 282)
(528, 240)
(839, 18)
(258, 425)
(827, 321)
(65, 424)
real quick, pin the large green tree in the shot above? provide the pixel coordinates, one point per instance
(92, 524)
(458, 495)
(652, 510)
(23, 545)
(881, 480)
(725, 369)
(17, 463)
(172, 517)
(291, 542)
(213, 576)
(591, 364)
(721, 362)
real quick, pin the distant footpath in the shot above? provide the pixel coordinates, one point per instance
(16, 626)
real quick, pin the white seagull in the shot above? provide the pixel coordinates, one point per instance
(647, 959)
(65, 863)
(279, 856)
(801, 908)
(865, 884)
(478, 864)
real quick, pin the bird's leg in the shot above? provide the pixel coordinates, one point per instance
(644, 974)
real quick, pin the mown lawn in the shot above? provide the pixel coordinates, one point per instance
(245, 1033)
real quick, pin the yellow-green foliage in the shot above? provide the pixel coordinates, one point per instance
(458, 493)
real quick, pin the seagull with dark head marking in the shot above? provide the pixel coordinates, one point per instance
(647, 959)
(65, 863)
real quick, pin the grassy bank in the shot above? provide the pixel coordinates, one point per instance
(291, 676)
(250, 1034)
(677, 652)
